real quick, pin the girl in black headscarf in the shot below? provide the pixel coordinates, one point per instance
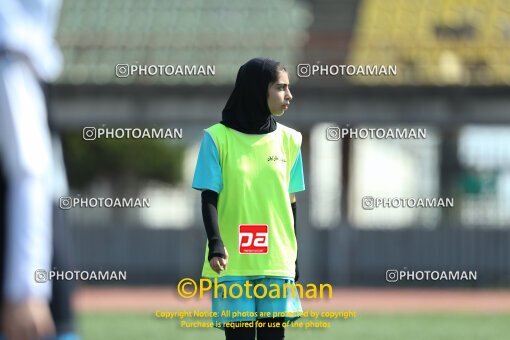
(248, 169)
(247, 109)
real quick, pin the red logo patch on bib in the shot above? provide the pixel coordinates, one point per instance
(253, 238)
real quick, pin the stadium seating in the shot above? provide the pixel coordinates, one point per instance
(95, 35)
(434, 42)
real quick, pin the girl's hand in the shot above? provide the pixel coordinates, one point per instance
(219, 264)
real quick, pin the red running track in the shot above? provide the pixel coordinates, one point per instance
(380, 300)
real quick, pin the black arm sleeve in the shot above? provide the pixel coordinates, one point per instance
(210, 217)
(293, 206)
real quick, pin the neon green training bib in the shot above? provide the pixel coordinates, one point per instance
(254, 212)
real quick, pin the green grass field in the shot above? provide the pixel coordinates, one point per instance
(113, 326)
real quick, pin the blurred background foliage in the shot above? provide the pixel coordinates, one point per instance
(121, 159)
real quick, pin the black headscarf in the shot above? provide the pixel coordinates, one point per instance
(246, 109)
